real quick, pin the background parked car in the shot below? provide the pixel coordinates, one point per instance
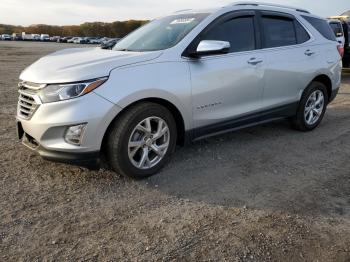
(16, 36)
(71, 40)
(345, 20)
(110, 44)
(36, 37)
(54, 38)
(6, 37)
(95, 40)
(346, 28)
(104, 40)
(64, 39)
(337, 28)
(81, 40)
(27, 37)
(44, 37)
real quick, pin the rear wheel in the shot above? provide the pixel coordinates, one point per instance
(141, 141)
(312, 107)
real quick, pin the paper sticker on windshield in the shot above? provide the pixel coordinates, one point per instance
(183, 21)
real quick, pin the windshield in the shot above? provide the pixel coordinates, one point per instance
(160, 34)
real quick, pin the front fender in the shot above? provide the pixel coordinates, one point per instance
(169, 81)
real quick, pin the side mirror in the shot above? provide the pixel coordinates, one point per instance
(212, 47)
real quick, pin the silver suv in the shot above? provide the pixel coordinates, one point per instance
(180, 78)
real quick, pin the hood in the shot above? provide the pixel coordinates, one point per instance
(77, 64)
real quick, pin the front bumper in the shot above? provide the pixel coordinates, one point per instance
(45, 131)
(90, 160)
(81, 159)
(87, 159)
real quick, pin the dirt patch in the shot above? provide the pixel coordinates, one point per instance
(267, 193)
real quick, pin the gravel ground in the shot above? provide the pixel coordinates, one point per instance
(266, 193)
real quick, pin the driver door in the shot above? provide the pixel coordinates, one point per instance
(227, 89)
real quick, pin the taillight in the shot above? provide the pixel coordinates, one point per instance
(340, 50)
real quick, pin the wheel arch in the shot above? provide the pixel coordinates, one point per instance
(326, 80)
(180, 124)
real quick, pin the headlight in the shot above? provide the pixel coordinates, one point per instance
(60, 92)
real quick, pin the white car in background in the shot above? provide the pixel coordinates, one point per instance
(337, 28)
(104, 40)
(95, 40)
(5, 37)
(36, 37)
(81, 40)
(44, 37)
(72, 39)
(77, 40)
(27, 37)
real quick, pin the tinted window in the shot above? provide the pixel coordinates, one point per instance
(302, 34)
(278, 31)
(238, 31)
(337, 29)
(321, 26)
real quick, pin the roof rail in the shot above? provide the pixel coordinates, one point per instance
(271, 5)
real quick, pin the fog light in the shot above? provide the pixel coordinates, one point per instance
(74, 134)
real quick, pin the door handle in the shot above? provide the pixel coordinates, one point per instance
(254, 61)
(309, 52)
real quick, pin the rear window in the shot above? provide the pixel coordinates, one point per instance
(337, 29)
(321, 26)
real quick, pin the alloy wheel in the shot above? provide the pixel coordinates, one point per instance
(314, 107)
(149, 142)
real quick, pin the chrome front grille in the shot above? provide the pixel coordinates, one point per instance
(27, 103)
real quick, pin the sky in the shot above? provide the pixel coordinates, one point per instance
(71, 12)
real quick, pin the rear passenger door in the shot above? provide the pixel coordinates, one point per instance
(288, 63)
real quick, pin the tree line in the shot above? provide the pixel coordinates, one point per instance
(115, 29)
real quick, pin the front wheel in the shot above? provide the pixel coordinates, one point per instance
(141, 141)
(312, 107)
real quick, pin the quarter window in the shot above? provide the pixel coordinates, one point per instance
(302, 35)
(278, 31)
(239, 32)
(321, 26)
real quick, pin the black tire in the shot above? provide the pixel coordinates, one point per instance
(121, 130)
(299, 120)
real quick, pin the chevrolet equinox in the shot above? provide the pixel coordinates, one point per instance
(177, 79)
